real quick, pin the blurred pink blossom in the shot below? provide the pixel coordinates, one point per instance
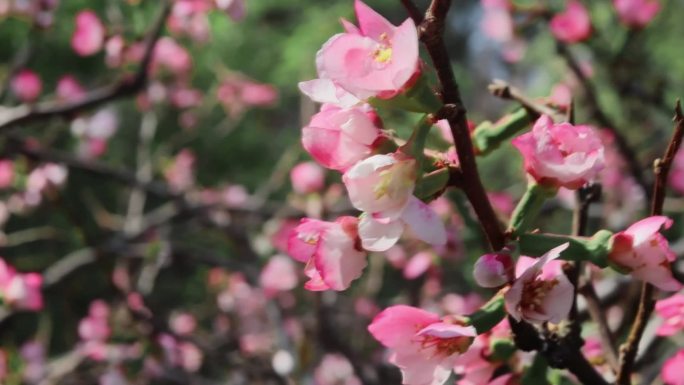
(69, 89)
(335, 369)
(89, 34)
(573, 24)
(183, 323)
(672, 369)
(307, 178)
(671, 310)
(637, 13)
(278, 275)
(21, 291)
(27, 86)
(180, 174)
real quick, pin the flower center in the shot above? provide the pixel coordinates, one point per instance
(534, 293)
(309, 238)
(383, 53)
(446, 346)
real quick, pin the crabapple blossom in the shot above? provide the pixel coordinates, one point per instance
(89, 35)
(573, 24)
(338, 138)
(561, 155)
(375, 59)
(418, 265)
(20, 291)
(278, 275)
(671, 310)
(69, 89)
(541, 292)
(236, 9)
(26, 85)
(672, 369)
(6, 173)
(331, 252)
(423, 345)
(307, 178)
(379, 234)
(180, 174)
(327, 91)
(645, 253)
(493, 270)
(335, 369)
(636, 13)
(381, 185)
(237, 93)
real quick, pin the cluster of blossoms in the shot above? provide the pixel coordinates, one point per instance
(20, 291)
(378, 63)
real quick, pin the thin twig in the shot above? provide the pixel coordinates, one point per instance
(126, 86)
(432, 35)
(629, 349)
(503, 90)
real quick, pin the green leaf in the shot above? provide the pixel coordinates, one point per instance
(536, 373)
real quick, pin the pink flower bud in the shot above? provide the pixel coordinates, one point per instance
(493, 270)
(561, 154)
(89, 35)
(27, 86)
(338, 138)
(672, 369)
(573, 24)
(307, 178)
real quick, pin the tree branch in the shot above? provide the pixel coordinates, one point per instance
(128, 85)
(661, 169)
(432, 35)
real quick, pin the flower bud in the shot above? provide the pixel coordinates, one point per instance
(493, 270)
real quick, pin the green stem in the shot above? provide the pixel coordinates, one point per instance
(489, 315)
(488, 136)
(529, 207)
(594, 249)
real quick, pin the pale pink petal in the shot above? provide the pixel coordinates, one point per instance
(424, 223)
(377, 236)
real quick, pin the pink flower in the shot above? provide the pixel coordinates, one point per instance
(671, 310)
(374, 59)
(672, 369)
(643, 252)
(27, 86)
(170, 56)
(6, 173)
(676, 178)
(418, 265)
(95, 327)
(541, 292)
(573, 24)
(307, 178)
(338, 138)
(497, 22)
(238, 93)
(89, 35)
(380, 234)
(69, 89)
(493, 270)
(561, 154)
(636, 13)
(335, 369)
(180, 174)
(327, 91)
(382, 184)
(183, 323)
(423, 346)
(278, 275)
(236, 9)
(330, 250)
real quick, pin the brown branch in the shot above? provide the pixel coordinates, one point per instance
(432, 35)
(413, 11)
(661, 168)
(126, 86)
(623, 146)
(503, 90)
